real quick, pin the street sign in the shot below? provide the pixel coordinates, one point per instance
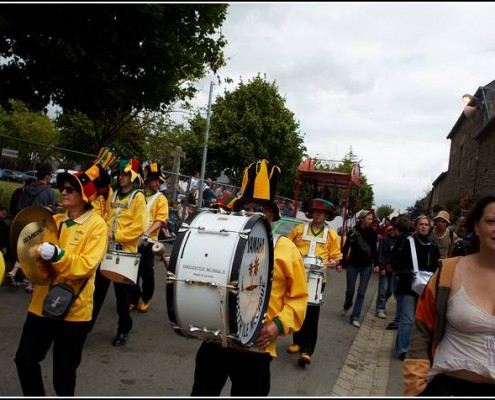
(10, 153)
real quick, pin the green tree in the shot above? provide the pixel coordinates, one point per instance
(33, 128)
(248, 124)
(365, 198)
(108, 61)
(384, 211)
(77, 133)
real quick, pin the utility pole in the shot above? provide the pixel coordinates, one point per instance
(177, 154)
(205, 150)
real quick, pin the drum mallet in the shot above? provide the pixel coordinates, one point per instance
(158, 249)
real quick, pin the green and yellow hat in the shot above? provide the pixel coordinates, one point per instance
(131, 165)
(322, 205)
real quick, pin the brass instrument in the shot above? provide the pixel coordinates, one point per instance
(30, 228)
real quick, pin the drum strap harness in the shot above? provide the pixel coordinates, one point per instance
(313, 239)
(148, 206)
(119, 206)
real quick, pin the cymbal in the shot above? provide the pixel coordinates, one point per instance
(24, 217)
(2, 265)
(31, 237)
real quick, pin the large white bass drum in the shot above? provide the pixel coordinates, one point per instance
(219, 277)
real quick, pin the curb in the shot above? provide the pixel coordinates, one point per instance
(366, 369)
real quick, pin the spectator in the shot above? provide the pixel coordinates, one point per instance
(361, 245)
(39, 192)
(427, 254)
(209, 197)
(386, 280)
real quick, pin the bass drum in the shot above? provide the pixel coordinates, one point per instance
(219, 277)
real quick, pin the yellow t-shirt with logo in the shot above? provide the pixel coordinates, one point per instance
(84, 242)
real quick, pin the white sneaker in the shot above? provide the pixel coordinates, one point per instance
(381, 314)
(356, 324)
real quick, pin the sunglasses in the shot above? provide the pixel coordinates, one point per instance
(68, 189)
(251, 208)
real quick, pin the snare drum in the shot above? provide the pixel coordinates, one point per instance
(219, 277)
(315, 275)
(120, 266)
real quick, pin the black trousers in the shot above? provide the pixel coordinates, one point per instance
(443, 385)
(307, 336)
(37, 336)
(122, 294)
(249, 372)
(146, 274)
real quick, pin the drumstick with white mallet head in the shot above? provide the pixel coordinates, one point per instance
(158, 248)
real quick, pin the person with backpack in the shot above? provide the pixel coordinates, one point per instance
(360, 255)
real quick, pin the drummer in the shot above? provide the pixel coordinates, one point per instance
(320, 242)
(157, 216)
(73, 260)
(249, 371)
(126, 224)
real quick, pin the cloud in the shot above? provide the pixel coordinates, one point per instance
(383, 78)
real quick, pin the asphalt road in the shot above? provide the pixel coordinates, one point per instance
(156, 361)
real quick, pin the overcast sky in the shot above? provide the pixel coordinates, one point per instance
(384, 78)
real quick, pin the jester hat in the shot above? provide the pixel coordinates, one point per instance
(259, 184)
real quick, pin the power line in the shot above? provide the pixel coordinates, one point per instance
(48, 145)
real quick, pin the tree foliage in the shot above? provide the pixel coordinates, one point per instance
(108, 61)
(33, 128)
(384, 211)
(77, 133)
(365, 197)
(248, 124)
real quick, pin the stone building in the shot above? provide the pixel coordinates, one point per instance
(471, 169)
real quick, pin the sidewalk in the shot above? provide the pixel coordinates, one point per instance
(371, 367)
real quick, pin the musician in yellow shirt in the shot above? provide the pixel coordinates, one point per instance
(156, 217)
(82, 243)
(126, 224)
(320, 247)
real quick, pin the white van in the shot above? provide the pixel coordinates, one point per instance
(53, 181)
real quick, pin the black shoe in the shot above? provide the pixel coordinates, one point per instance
(120, 339)
(402, 356)
(392, 326)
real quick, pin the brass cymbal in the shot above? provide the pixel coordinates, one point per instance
(2, 265)
(25, 216)
(31, 237)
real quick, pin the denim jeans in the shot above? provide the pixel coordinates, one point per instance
(386, 286)
(407, 308)
(352, 273)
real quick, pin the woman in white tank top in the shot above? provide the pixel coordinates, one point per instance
(464, 360)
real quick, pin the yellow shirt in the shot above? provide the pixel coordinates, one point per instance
(289, 294)
(85, 244)
(327, 250)
(158, 211)
(131, 220)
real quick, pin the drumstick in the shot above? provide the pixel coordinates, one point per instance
(159, 250)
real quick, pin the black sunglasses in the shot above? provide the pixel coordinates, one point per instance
(255, 208)
(68, 189)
